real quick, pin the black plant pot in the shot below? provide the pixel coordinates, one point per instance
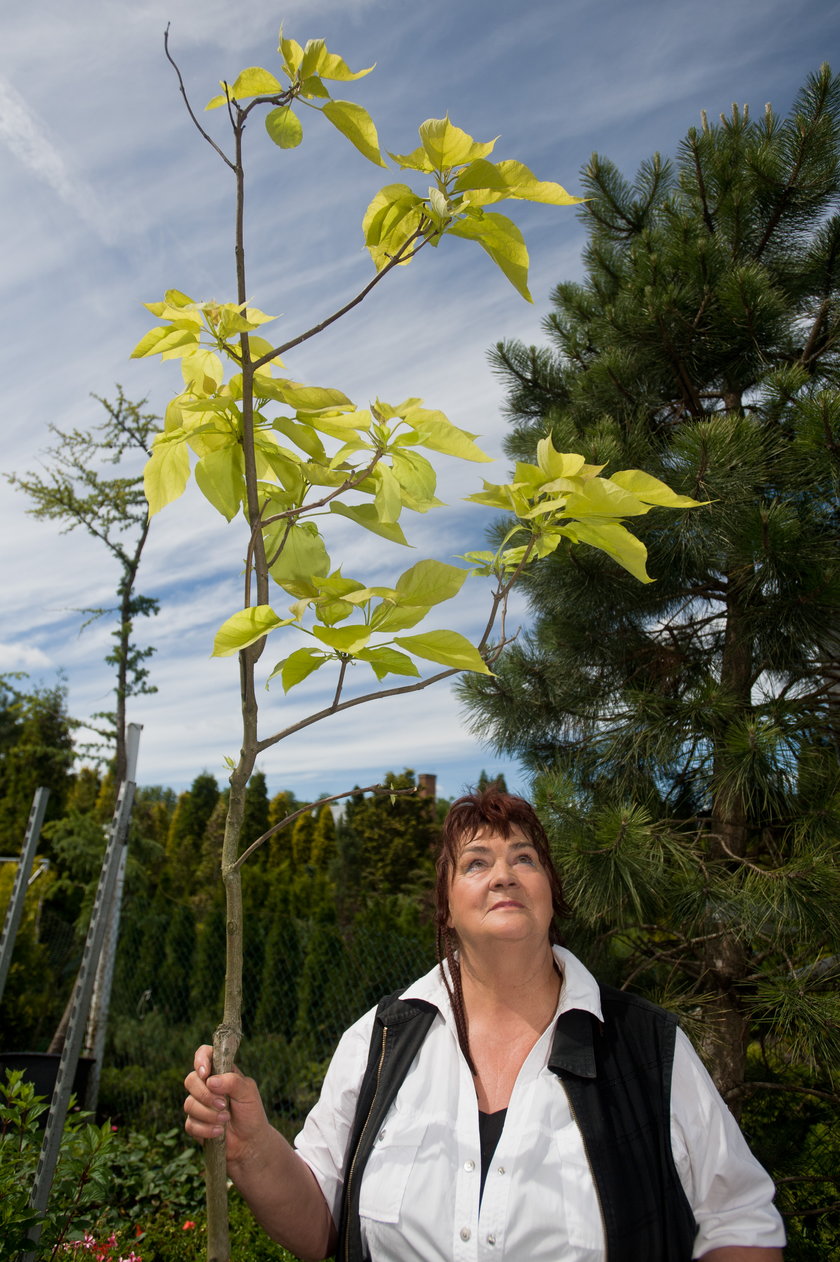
(41, 1069)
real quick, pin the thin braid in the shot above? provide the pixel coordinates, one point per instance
(444, 937)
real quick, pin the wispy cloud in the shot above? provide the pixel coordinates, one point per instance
(22, 657)
(29, 140)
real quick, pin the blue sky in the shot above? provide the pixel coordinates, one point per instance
(110, 197)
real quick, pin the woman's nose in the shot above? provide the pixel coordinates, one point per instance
(503, 874)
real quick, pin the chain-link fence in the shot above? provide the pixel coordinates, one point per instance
(305, 981)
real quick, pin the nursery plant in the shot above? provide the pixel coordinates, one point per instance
(283, 457)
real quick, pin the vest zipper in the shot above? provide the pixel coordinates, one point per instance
(592, 1173)
(362, 1135)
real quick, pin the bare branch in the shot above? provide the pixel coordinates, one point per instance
(314, 806)
(198, 126)
(269, 741)
(402, 255)
(747, 1087)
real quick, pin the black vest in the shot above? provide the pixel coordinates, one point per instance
(618, 1080)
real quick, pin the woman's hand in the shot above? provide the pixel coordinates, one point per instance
(282, 1191)
(220, 1104)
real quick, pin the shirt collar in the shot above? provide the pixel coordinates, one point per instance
(579, 989)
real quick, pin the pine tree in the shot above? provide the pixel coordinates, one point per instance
(323, 842)
(186, 831)
(255, 820)
(386, 847)
(36, 750)
(276, 1011)
(683, 735)
(174, 972)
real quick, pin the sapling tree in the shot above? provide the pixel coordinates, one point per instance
(77, 489)
(287, 455)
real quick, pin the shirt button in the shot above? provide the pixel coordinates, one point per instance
(500, 1169)
(469, 1166)
(465, 1233)
(381, 1135)
(491, 1239)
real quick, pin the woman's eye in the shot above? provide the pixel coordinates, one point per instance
(474, 864)
(526, 858)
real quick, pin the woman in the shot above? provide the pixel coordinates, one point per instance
(505, 1105)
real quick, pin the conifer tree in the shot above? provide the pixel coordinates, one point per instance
(77, 491)
(37, 749)
(682, 734)
(384, 844)
(186, 831)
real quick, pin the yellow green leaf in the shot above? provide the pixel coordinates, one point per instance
(388, 500)
(167, 471)
(302, 436)
(251, 82)
(232, 319)
(509, 179)
(332, 611)
(284, 127)
(220, 477)
(336, 584)
(246, 627)
(416, 475)
(165, 338)
(430, 582)
(309, 398)
(390, 221)
(387, 661)
(506, 497)
(318, 61)
(503, 241)
(175, 298)
(438, 433)
(343, 639)
(392, 615)
(351, 448)
(286, 467)
(203, 372)
(297, 554)
(295, 668)
(651, 490)
(292, 54)
(354, 122)
(448, 146)
(417, 160)
(524, 185)
(557, 464)
(603, 498)
(314, 86)
(367, 516)
(614, 539)
(449, 648)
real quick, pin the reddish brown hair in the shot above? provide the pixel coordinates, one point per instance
(499, 813)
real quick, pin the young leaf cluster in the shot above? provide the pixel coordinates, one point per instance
(399, 220)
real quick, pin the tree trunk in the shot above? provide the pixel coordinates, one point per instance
(724, 1043)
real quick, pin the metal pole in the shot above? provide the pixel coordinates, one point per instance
(97, 1026)
(14, 911)
(48, 1158)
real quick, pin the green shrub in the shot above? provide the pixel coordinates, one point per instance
(82, 1180)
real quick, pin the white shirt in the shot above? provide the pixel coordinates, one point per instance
(419, 1197)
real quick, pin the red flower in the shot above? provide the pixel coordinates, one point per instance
(188, 1226)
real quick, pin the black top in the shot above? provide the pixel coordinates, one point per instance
(489, 1131)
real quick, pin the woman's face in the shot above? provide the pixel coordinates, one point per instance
(499, 891)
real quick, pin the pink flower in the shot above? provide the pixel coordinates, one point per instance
(188, 1226)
